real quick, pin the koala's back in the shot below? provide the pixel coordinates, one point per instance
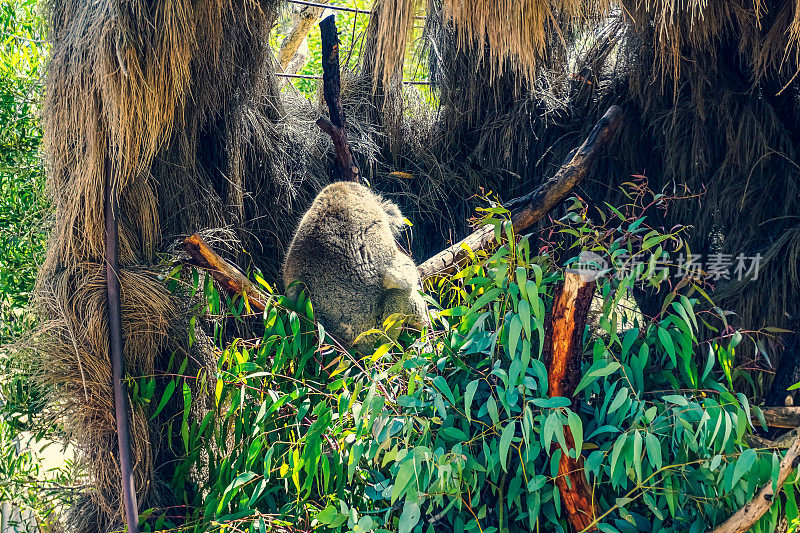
(342, 248)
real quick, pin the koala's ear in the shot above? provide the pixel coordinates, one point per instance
(396, 219)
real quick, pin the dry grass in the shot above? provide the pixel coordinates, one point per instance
(75, 344)
(523, 35)
(395, 19)
(768, 32)
(527, 35)
(150, 92)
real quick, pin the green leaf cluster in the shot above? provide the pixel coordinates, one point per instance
(455, 429)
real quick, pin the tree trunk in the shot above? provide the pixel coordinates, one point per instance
(563, 351)
(291, 43)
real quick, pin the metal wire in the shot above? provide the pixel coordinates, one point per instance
(328, 6)
(311, 77)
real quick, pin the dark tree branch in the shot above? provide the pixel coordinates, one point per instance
(782, 442)
(336, 127)
(782, 417)
(536, 204)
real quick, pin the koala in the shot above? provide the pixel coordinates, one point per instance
(345, 255)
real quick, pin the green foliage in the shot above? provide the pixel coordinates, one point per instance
(26, 484)
(352, 30)
(455, 429)
(21, 174)
(23, 481)
(22, 200)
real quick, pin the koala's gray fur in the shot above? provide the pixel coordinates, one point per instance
(345, 254)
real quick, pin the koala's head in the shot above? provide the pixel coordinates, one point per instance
(396, 221)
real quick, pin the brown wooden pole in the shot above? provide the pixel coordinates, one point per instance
(535, 204)
(121, 407)
(346, 168)
(563, 350)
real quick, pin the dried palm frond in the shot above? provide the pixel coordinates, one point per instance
(74, 343)
(394, 20)
(137, 89)
(522, 35)
(768, 32)
(176, 102)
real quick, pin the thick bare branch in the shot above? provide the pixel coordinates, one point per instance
(536, 204)
(226, 274)
(563, 349)
(346, 168)
(782, 442)
(782, 417)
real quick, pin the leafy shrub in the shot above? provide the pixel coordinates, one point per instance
(21, 174)
(455, 429)
(27, 486)
(23, 482)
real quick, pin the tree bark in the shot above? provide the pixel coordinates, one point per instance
(291, 43)
(346, 168)
(226, 274)
(563, 350)
(782, 417)
(297, 63)
(748, 515)
(782, 442)
(537, 203)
